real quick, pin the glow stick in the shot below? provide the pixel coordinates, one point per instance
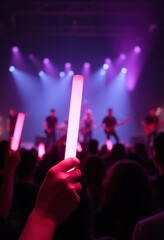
(74, 116)
(17, 131)
(79, 147)
(41, 150)
(109, 144)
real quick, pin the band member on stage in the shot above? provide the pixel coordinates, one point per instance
(109, 123)
(11, 121)
(87, 126)
(150, 123)
(50, 125)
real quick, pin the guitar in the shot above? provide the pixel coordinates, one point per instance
(49, 131)
(150, 128)
(108, 130)
(85, 130)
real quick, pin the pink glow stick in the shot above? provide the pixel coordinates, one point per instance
(41, 150)
(74, 116)
(109, 144)
(79, 147)
(17, 131)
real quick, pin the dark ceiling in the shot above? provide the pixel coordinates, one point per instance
(79, 18)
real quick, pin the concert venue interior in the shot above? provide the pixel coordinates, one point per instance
(117, 46)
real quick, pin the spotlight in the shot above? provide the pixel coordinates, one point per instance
(68, 65)
(71, 73)
(86, 65)
(122, 56)
(124, 70)
(137, 49)
(46, 60)
(105, 66)
(108, 61)
(15, 49)
(41, 73)
(62, 74)
(11, 68)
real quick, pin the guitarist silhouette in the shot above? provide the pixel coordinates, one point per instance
(50, 125)
(87, 126)
(150, 123)
(109, 123)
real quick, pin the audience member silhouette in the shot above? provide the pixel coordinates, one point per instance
(93, 147)
(104, 152)
(7, 186)
(51, 158)
(113, 199)
(93, 171)
(145, 160)
(25, 191)
(159, 164)
(152, 227)
(127, 197)
(117, 152)
(90, 149)
(4, 150)
(9, 229)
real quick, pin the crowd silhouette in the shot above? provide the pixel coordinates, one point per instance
(102, 194)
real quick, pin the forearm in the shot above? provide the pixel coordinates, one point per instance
(38, 227)
(6, 194)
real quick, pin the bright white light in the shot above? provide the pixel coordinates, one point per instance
(124, 70)
(137, 49)
(74, 116)
(41, 73)
(105, 66)
(46, 60)
(86, 65)
(11, 68)
(15, 49)
(62, 74)
(70, 73)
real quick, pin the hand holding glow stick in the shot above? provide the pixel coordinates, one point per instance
(74, 116)
(17, 132)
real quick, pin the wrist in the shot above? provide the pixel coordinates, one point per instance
(38, 227)
(41, 219)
